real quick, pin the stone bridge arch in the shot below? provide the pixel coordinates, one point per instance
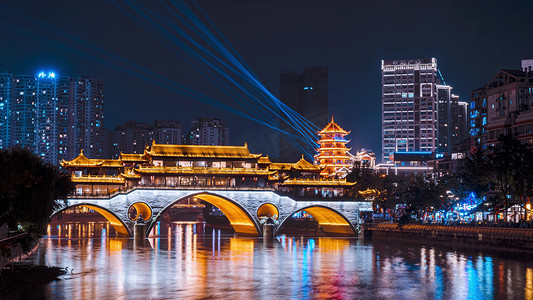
(115, 221)
(240, 219)
(242, 205)
(330, 220)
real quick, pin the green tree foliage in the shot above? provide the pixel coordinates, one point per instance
(30, 189)
(503, 173)
(376, 186)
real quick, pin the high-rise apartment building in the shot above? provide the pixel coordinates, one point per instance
(23, 111)
(307, 94)
(5, 109)
(462, 118)
(87, 117)
(503, 106)
(208, 131)
(46, 106)
(409, 106)
(133, 137)
(54, 116)
(167, 132)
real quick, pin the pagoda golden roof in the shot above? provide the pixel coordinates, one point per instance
(333, 127)
(201, 151)
(83, 161)
(316, 182)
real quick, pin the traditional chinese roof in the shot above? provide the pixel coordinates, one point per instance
(316, 182)
(304, 165)
(111, 163)
(264, 160)
(333, 127)
(83, 161)
(191, 151)
(280, 166)
(132, 157)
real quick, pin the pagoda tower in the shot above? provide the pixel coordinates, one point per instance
(333, 155)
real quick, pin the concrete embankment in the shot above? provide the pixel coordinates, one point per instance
(491, 236)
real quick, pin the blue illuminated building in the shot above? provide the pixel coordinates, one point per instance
(503, 106)
(6, 99)
(53, 116)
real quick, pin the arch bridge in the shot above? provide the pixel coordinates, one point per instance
(243, 208)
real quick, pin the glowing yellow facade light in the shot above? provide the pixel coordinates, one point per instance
(266, 210)
(330, 221)
(114, 221)
(241, 222)
(142, 208)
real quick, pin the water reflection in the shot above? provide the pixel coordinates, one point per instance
(190, 260)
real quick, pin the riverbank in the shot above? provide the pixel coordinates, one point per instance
(20, 276)
(515, 238)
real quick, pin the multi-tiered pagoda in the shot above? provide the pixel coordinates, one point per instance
(333, 155)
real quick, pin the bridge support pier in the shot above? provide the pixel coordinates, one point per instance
(139, 231)
(268, 231)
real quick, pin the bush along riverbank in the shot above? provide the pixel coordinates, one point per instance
(20, 276)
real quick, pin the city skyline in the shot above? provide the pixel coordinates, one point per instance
(352, 54)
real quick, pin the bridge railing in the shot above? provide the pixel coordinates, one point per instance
(110, 194)
(297, 197)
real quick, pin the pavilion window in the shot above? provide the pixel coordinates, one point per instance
(185, 164)
(199, 164)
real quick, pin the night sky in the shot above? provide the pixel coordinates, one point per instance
(471, 40)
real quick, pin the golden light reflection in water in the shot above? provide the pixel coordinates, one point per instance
(529, 283)
(211, 265)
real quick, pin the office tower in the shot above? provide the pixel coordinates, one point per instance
(451, 120)
(86, 117)
(409, 106)
(503, 106)
(6, 98)
(307, 94)
(167, 132)
(208, 131)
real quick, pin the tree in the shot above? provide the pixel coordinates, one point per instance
(30, 190)
(379, 187)
(417, 194)
(503, 173)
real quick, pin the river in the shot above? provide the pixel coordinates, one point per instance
(190, 261)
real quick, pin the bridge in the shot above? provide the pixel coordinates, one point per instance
(242, 207)
(243, 185)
